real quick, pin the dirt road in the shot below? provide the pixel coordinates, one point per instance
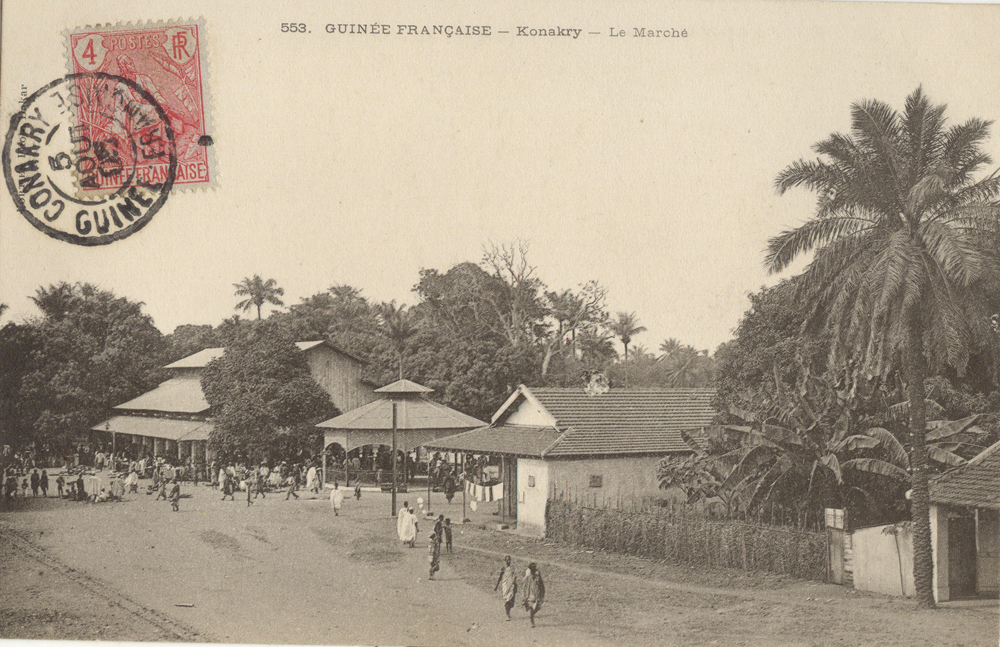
(290, 572)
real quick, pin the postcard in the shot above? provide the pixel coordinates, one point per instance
(503, 218)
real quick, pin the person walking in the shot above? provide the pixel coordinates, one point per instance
(357, 490)
(163, 489)
(534, 591)
(43, 483)
(261, 482)
(81, 492)
(226, 485)
(336, 499)
(293, 484)
(35, 480)
(439, 528)
(406, 525)
(175, 496)
(447, 535)
(434, 554)
(312, 480)
(508, 580)
(249, 483)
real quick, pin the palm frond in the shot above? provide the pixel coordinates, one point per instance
(876, 466)
(945, 457)
(783, 248)
(941, 430)
(814, 175)
(876, 125)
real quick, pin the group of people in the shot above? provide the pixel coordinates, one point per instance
(532, 588)
(407, 527)
(37, 482)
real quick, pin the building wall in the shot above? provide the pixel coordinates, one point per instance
(939, 552)
(341, 377)
(532, 495)
(883, 563)
(616, 482)
(987, 551)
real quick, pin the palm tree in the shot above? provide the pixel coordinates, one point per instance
(903, 268)
(625, 326)
(397, 325)
(258, 292)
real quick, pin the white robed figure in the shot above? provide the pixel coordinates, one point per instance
(406, 525)
(132, 481)
(336, 499)
(312, 480)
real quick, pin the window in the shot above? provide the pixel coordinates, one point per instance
(531, 481)
(596, 480)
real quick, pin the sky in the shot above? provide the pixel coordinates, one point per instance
(644, 163)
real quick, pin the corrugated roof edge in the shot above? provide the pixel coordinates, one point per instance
(303, 346)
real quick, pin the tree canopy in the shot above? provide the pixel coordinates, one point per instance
(264, 400)
(89, 351)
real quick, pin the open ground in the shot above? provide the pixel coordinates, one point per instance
(291, 572)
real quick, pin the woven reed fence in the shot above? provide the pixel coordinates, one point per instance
(690, 539)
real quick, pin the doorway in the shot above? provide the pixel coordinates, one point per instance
(962, 556)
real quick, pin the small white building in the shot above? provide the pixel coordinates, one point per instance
(965, 528)
(601, 449)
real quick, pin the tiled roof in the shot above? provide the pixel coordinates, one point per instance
(975, 484)
(411, 413)
(177, 395)
(504, 439)
(203, 357)
(633, 421)
(157, 427)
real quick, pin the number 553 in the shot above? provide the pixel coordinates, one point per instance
(299, 27)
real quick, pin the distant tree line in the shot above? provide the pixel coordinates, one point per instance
(473, 333)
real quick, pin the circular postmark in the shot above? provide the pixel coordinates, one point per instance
(90, 158)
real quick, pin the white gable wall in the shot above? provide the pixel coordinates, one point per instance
(530, 414)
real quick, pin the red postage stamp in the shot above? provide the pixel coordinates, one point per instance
(167, 60)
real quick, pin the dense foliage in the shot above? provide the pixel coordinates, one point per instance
(64, 371)
(264, 401)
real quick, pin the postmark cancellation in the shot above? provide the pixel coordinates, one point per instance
(168, 61)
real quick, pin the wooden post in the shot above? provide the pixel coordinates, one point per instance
(322, 479)
(463, 487)
(503, 499)
(393, 459)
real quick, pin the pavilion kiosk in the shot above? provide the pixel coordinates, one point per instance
(404, 419)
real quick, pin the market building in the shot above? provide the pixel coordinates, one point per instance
(173, 420)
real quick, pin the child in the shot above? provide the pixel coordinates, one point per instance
(24, 488)
(175, 496)
(447, 534)
(60, 482)
(357, 490)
